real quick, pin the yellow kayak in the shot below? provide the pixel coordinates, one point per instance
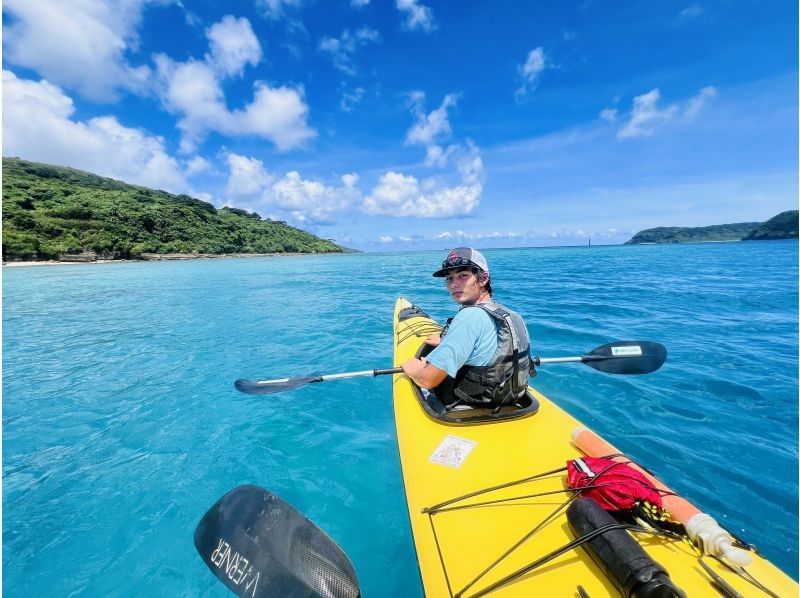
(476, 532)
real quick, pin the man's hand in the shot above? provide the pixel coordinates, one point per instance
(423, 373)
(434, 339)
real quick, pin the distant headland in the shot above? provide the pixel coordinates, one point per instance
(782, 226)
(63, 214)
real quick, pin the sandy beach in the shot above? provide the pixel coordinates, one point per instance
(157, 257)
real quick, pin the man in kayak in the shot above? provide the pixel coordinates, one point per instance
(482, 357)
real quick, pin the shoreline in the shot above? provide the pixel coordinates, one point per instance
(160, 257)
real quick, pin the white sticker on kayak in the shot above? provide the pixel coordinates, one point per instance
(452, 451)
(624, 351)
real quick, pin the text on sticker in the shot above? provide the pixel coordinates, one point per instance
(624, 351)
(236, 566)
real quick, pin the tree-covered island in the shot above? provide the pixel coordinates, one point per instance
(782, 226)
(53, 212)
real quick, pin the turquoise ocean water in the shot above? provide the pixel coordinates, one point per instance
(121, 425)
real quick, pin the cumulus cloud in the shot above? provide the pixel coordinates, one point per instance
(646, 116)
(193, 89)
(196, 165)
(312, 201)
(399, 194)
(276, 113)
(403, 195)
(432, 126)
(42, 129)
(458, 236)
(307, 201)
(233, 45)
(530, 72)
(247, 177)
(81, 45)
(417, 16)
(341, 50)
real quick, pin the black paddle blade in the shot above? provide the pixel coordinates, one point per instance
(259, 545)
(268, 387)
(627, 357)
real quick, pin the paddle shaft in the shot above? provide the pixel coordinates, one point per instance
(341, 376)
(541, 360)
(622, 357)
(361, 373)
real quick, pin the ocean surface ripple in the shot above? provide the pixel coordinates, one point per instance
(121, 425)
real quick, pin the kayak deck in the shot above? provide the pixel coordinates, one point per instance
(463, 546)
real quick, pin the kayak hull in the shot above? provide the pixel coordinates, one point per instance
(463, 547)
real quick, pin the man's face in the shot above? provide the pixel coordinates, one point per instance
(463, 286)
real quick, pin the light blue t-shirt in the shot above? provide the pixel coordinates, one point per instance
(470, 340)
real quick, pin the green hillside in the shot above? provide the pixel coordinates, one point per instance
(680, 234)
(782, 226)
(49, 211)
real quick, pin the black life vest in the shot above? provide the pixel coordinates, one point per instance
(502, 382)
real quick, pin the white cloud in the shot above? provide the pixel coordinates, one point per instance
(458, 236)
(402, 195)
(351, 98)
(609, 114)
(197, 165)
(341, 50)
(80, 45)
(307, 201)
(646, 116)
(436, 155)
(470, 164)
(37, 125)
(312, 201)
(247, 178)
(695, 10)
(274, 9)
(417, 16)
(194, 90)
(233, 45)
(398, 194)
(276, 113)
(429, 127)
(349, 180)
(696, 103)
(529, 72)
(359, 3)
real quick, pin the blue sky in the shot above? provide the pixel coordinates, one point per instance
(412, 124)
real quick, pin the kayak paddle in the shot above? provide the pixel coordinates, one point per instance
(268, 387)
(259, 545)
(622, 357)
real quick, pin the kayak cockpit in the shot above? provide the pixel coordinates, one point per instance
(466, 415)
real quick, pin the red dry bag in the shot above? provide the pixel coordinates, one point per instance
(614, 485)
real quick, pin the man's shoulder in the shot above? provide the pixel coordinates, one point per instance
(475, 315)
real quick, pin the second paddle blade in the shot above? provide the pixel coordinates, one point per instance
(268, 387)
(627, 357)
(259, 545)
